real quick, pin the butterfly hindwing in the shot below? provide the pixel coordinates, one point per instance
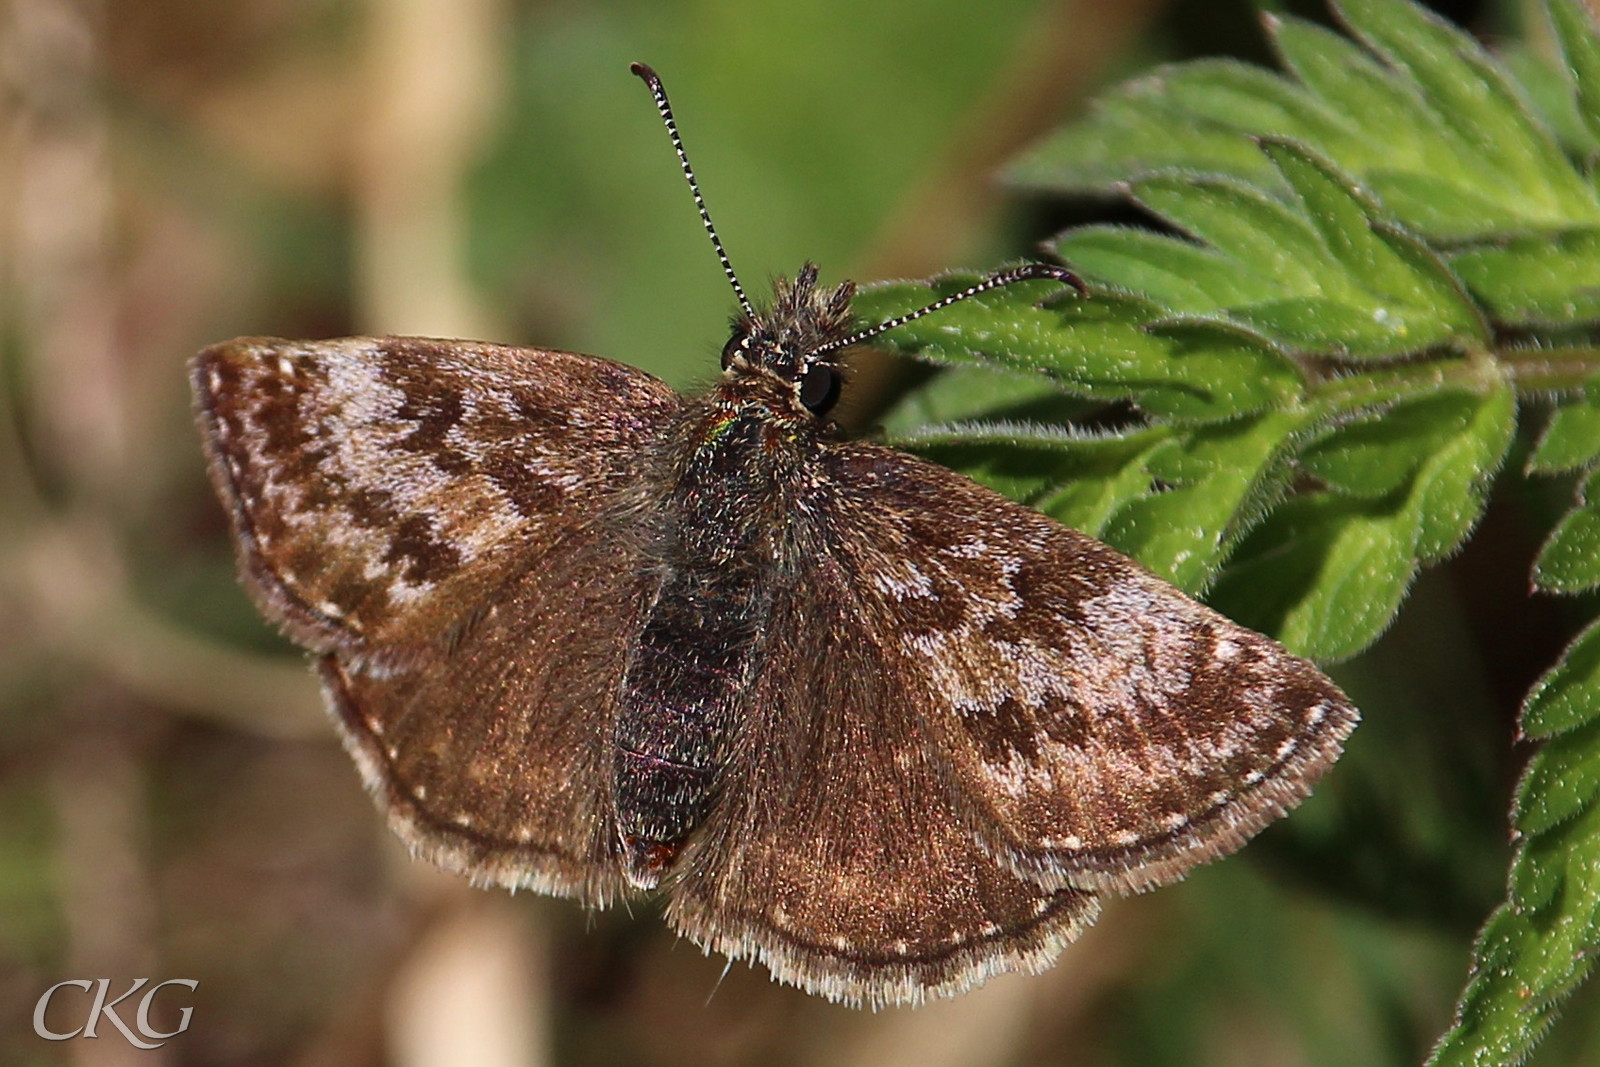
(494, 760)
(836, 855)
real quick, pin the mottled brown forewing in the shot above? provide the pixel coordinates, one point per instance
(1098, 728)
(381, 488)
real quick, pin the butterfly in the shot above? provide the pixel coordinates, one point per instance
(853, 715)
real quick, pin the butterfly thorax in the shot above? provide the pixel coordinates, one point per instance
(731, 470)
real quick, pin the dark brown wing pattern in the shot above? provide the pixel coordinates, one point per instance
(380, 488)
(1100, 729)
(429, 516)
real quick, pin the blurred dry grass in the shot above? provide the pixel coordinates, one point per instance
(172, 803)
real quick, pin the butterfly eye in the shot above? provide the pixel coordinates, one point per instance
(819, 389)
(735, 344)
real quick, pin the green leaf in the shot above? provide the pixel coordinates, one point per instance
(1329, 273)
(1219, 480)
(1107, 347)
(1258, 103)
(1569, 562)
(1183, 276)
(1418, 297)
(1525, 963)
(1440, 132)
(1447, 496)
(1571, 438)
(1508, 154)
(1416, 167)
(1381, 451)
(1388, 110)
(1540, 944)
(1444, 207)
(1247, 225)
(1580, 47)
(1561, 782)
(1329, 327)
(1324, 574)
(1076, 479)
(1548, 85)
(1536, 280)
(1568, 696)
(1343, 217)
(973, 394)
(1087, 501)
(1139, 126)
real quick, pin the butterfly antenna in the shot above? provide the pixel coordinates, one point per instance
(653, 80)
(1009, 276)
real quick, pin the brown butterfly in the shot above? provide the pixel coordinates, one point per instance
(859, 718)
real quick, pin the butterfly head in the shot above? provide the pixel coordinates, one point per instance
(797, 341)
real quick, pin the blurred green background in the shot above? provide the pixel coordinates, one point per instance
(172, 802)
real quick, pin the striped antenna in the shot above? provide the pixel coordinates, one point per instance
(653, 80)
(1026, 272)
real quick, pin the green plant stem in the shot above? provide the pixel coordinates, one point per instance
(1557, 369)
(1385, 386)
(1530, 370)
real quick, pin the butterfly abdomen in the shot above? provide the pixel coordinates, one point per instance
(689, 666)
(699, 642)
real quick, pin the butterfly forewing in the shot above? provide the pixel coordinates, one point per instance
(381, 488)
(1101, 729)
